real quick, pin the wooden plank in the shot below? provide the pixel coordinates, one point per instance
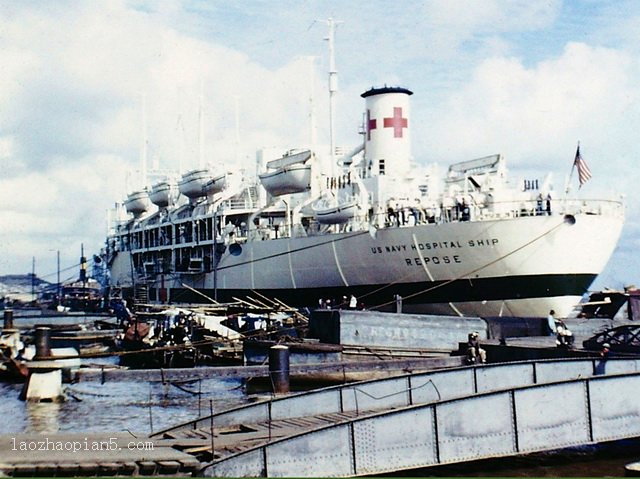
(19, 470)
(108, 468)
(88, 469)
(46, 468)
(128, 468)
(68, 469)
(147, 468)
(202, 434)
(189, 464)
(168, 467)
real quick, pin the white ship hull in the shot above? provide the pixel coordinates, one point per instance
(520, 267)
(462, 241)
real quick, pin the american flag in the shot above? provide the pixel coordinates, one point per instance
(584, 173)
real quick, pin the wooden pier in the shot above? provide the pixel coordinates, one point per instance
(230, 440)
(360, 369)
(91, 454)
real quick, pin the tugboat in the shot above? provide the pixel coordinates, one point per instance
(82, 295)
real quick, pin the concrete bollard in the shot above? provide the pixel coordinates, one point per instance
(279, 369)
(42, 340)
(8, 319)
(398, 299)
(44, 383)
(45, 375)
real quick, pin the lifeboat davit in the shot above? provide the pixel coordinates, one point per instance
(192, 183)
(137, 202)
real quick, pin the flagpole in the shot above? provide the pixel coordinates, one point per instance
(573, 167)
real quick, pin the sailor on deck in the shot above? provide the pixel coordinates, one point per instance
(475, 354)
(551, 323)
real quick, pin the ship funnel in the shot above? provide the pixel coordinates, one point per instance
(388, 142)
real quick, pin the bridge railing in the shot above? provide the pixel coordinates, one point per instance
(412, 389)
(493, 424)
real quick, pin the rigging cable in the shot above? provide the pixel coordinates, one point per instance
(468, 273)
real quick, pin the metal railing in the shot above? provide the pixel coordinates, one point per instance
(496, 423)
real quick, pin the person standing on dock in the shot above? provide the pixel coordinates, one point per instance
(122, 312)
(551, 323)
(475, 354)
(564, 338)
(353, 302)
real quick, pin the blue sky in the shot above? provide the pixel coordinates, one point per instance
(527, 79)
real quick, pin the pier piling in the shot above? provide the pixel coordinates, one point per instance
(45, 375)
(8, 319)
(279, 369)
(42, 340)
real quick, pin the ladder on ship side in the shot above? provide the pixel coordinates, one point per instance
(141, 294)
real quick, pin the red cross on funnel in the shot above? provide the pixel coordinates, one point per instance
(371, 124)
(396, 122)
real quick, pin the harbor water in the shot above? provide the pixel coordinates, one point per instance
(141, 407)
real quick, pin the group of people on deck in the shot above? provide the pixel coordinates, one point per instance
(564, 337)
(350, 302)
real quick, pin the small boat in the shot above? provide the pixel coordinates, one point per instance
(215, 184)
(82, 295)
(289, 174)
(137, 202)
(160, 194)
(192, 183)
(335, 214)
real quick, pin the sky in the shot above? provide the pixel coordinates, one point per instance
(86, 87)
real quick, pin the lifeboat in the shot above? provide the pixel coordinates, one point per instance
(289, 174)
(329, 214)
(192, 183)
(160, 194)
(137, 202)
(215, 184)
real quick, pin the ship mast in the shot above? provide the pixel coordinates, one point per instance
(333, 88)
(316, 173)
(237, 118)
(201, 128)
(143, 149)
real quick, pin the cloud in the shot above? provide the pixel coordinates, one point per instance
(540, 111)
(73, 116)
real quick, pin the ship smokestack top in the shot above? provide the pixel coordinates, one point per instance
(388, 139)
(385, 89)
